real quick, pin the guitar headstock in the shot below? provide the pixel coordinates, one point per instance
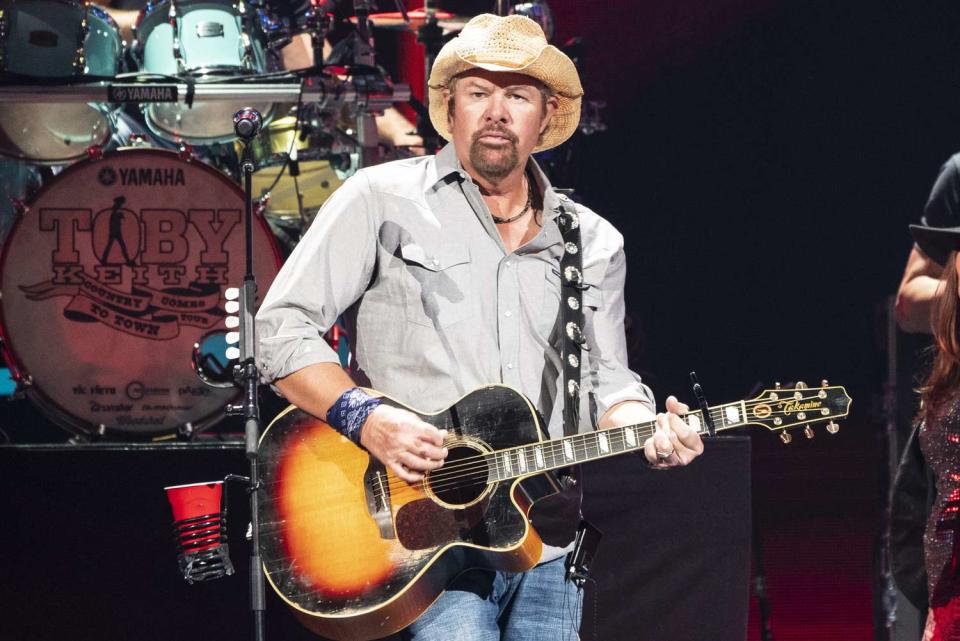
(783, 408)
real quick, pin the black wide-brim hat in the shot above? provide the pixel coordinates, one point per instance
(936, 242)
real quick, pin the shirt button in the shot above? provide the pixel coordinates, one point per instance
(509, 263)
(509, 365)
(436, 262)
(508, 313)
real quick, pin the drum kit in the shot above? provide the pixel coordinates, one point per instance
(120, 202)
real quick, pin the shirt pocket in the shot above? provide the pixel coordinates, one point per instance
(436, 282)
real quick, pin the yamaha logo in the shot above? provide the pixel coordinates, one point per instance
(107, 176)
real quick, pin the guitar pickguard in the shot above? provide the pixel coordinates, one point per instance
(424, 524)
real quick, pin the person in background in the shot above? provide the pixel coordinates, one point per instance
(939, 431)
(922, 275)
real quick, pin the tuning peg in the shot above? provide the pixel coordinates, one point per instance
(833, 427)
(824, 383)
(808, 431)
(801, 385)
(786, 437)
(777, 385)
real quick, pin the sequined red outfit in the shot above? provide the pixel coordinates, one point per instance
(940, 443)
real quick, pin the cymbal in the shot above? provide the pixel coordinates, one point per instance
(394, 20)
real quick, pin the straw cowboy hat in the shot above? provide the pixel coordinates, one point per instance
(514, 44)
(936, 242)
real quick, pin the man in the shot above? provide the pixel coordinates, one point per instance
(921, 277)
(446, 270)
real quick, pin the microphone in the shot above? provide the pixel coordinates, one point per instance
(247, 123)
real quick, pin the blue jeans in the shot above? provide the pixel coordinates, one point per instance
(482, 605)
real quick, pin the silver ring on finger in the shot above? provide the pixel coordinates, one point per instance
(663, 456)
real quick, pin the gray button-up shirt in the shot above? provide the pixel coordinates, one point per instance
(435, 305)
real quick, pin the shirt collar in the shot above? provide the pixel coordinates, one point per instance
(448, 165)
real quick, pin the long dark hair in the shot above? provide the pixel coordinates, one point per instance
(942, 383)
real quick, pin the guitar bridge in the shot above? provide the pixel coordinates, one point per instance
(376, 487)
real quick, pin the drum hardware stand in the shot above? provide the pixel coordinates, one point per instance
(430, 35)
(247, 124)
(322, 89)
(364, 56)
(316, 22)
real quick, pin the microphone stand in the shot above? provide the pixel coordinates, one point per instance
(247, 125)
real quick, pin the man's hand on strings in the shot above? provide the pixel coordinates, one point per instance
(404, 443)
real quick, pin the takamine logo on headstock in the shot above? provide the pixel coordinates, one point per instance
(782, 408)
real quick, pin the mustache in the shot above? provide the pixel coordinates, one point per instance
(497, 129)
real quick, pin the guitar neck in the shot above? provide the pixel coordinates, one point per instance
(523, 460)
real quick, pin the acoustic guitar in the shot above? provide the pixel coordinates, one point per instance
(359, 554)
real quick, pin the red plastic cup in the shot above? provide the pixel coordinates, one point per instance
(195, 499)
(197, 514)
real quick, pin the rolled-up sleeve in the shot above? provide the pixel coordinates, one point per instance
(613, 381)
(326, 274)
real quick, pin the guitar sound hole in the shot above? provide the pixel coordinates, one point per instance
(463, 477)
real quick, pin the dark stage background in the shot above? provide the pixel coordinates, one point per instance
(763, 159)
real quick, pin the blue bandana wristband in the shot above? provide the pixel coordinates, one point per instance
(349, 412)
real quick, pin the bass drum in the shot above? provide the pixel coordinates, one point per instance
(114, 271)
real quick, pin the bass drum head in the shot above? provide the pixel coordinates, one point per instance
(114, 271)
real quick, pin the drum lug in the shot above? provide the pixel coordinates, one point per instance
(92, 437)
(138, 141)
(24, 384)
(185, 431)
(80, 60)
(175, 25)
(248, 57)
(20, 208)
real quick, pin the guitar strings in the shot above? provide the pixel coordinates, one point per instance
(402, 488)
(449, 476)
(445, 478)
(476, 464)
(717, 413)
(581, 445)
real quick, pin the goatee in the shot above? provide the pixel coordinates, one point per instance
(494, 163)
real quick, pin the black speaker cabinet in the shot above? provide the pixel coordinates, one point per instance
(87, 551)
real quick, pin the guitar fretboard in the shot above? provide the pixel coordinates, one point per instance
(550, 455)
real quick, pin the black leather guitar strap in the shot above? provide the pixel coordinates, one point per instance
(571, 314)
(574, 343)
